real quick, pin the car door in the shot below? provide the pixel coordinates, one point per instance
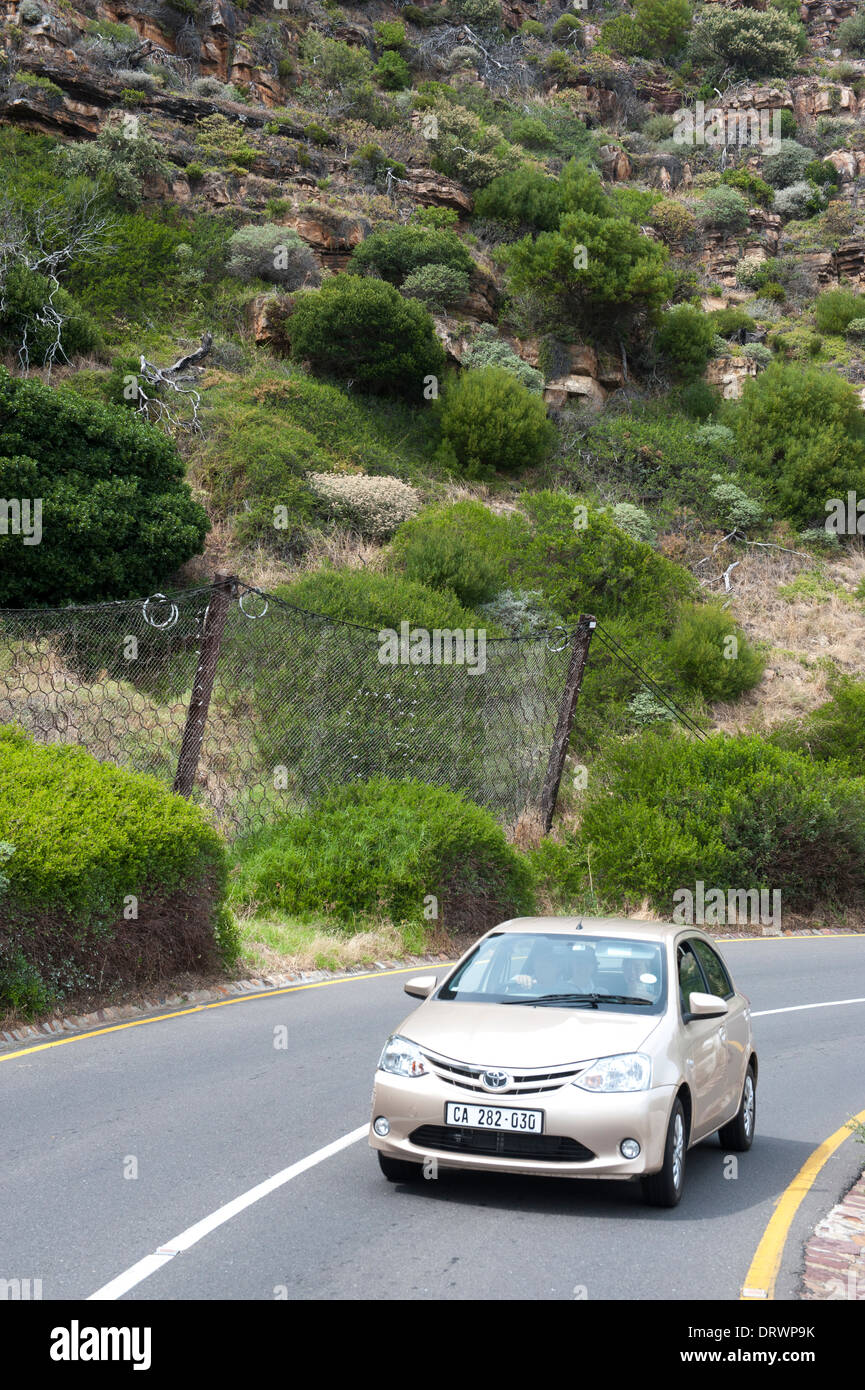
(737, 1024)
(705, 1046)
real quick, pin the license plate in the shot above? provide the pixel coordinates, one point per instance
(495, 1117)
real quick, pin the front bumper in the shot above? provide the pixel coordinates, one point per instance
(597, 1122)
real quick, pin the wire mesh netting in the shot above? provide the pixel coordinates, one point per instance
(300, 703)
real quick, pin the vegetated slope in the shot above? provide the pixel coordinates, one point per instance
(488, 300)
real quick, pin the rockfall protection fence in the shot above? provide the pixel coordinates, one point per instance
(252, 706)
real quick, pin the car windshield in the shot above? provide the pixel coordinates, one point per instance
(553, 970)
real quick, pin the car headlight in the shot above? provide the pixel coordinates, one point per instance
(402, 1057)
(629, 1071)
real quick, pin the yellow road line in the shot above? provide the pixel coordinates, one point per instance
(761, 1277)
(216, 1004)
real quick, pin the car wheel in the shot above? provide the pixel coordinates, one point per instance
(398, 1170)
(738, 1134)
(664, 1189)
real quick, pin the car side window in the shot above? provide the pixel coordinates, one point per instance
(716, 972)
(690, 976)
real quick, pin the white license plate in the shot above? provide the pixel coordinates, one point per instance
(495, 1117)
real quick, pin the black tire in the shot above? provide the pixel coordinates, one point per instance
(737, 1134)
(664, 1189)
(398, 1170)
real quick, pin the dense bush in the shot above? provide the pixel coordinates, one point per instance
(756, 43)
(801, 433)
(464, 547)
(492, 421)
(798, 201)
(436, 286)
(673, 221)
(93, 844)
(725, 208)
(394, 252)
(121, 163)
(666, 812)
(381, 848)
(373, 506)
(850, 33)
(835, 731)
(755, 189)
(712, 655)
(392, 72)
(656, 29)
(786, 163)
(376, 600)
(117, 516)
(524, 197)
(835, 310)
(686, 337)
(24, 321)
(363, 328)
(489, 350)
(275, 254)
(731, 322)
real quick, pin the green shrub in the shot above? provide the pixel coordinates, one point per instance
(731, 322)
(659, 127)
(635, 522)
(468, 148)
(665, 813)
(120, 162)
(392, 72)
(376, 600)
(105, 477)
(364, 329)
(850, 34)
(801, 200)
(755, 189)
(390, 33)
(24, 321)
(92, 844)
(786, 163)
(275, 254)
(724, 208)
(673, 221)
(436, 286)
(710, 654)
(686, 337)
(522, 197)
(530, 131)
(735, 507)
(567, 28)
(856, 329)
(396, 251)
(373, 506)
(821, 172)
(465, 548)
(756, 43)
(492, 421)
(656, 29)
(382, 848)
(801, 434)
(489, 350)
(835, 310)
(835, 731)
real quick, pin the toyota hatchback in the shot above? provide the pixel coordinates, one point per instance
(571, 1047)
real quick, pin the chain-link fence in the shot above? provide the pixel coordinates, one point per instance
(255, 713)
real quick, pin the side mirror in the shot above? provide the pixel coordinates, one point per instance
(706, 1006)
(421, 987)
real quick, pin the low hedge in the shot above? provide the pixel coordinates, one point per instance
(93, 843)
(380, 848)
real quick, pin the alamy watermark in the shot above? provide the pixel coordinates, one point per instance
(846, 516)
(21, 516)
(718, 906)
(717, 126)
(439, 646)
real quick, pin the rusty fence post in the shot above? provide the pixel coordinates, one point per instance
(567, 709)
(202, 686)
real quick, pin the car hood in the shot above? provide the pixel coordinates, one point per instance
(517, 1035)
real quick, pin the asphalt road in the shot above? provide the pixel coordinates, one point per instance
(204, 1107)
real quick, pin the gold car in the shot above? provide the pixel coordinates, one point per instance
(571, 1047)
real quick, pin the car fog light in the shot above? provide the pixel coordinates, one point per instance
(381, 1126)
(629, 1148)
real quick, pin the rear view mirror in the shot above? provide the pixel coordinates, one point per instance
(706, 1006)
(421, 987)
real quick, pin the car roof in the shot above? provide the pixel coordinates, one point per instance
(598, 926)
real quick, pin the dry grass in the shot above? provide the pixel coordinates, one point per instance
(807, 639)
(258, 566)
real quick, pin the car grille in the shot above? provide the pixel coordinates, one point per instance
(552, 1148)
(525, 1081)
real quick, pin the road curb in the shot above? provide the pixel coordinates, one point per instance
(231, 989)
(835, 1254)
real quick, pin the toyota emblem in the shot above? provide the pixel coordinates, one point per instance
(495, 1080)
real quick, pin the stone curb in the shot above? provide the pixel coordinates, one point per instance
(835, 1254)
(258, 984)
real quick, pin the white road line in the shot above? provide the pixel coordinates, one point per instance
(149, 1265)
(796, 1008)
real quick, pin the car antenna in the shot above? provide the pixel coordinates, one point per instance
(579, 926)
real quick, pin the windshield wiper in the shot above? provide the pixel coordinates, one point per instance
(593, 999)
